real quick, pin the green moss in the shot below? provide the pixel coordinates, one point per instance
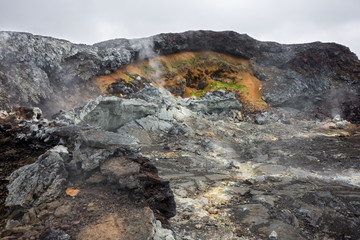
(227, 86)
(198, 93)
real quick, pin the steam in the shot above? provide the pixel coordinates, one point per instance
(146, 52)
(337, 97)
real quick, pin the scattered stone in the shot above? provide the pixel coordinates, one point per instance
(217, 177)
(261, 120)
(198, 226)
(10, 224)
(52, 234)
(161, 233)
(273, 235)
(62, 211)
(30, 217)
(53, 205)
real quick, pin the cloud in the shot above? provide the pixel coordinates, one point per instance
(90, 21)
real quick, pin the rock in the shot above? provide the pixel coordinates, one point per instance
(161, 233)
(33, 66)
(52, 234)
(111, 113)
(96, 138)
(10, 224)
(62, 211)
(53, 205)
(44, 179)
(342, 124)
(28, 113)
(229, 175)
(261, 120)
(95, 146)
(30, 217)
(273, 235)
(135, 131)
(214, 102)
(253, 214)
(121, 170)
(4, 114)
(280, 230)
(337, 118)
(154, 124)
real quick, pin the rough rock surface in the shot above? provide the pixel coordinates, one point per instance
(101, 169)
(149, 112)
(39, 182)
(105, 168)
(49, 73)
(238, 180)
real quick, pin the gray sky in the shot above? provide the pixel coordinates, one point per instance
(90, 21)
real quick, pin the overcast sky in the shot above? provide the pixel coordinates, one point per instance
(90, 21)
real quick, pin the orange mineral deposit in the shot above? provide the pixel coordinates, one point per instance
(72, 192)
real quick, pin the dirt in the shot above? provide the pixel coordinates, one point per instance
(96, 212)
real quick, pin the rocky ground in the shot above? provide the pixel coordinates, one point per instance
(272, 177)
(135, 162)
(248, 181)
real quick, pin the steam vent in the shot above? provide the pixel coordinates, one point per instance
(194, 135)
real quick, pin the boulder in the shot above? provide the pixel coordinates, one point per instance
(110, 113)
(214, 102)
(39, 182)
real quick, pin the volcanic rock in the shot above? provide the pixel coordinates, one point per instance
(37, 183)
(53, 74)
(286, 177)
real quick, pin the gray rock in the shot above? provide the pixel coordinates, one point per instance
(213, 102)
(110, 113)
(135, 131)
(52, 234)
(161, 233)
(98, 138)
(337, 118)
(153, 124)
(253, 214)
(156, 95)
(261, 120)
(51, 73)
(121, 170)
(273, 235)
(37, 183)
(95, 146)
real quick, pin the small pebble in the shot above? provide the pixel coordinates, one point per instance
(273, 235)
